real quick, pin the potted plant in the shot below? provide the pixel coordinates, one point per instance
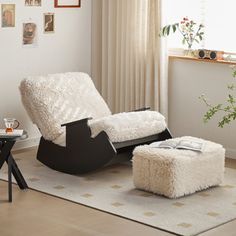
(191, 32)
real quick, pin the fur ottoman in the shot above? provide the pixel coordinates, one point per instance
(178, 172)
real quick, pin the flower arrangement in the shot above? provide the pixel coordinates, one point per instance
(228, 109)
(191, 31)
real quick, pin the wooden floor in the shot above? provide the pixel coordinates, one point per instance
(33, 213)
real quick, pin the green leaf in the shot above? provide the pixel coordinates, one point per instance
(174, 28)
(227, 108)
(231, 86)
(168, 30)
(234, 73)
(231, 99)
(225, 120)
(163, 31)
(234, 115)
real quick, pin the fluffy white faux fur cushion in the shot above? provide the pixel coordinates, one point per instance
(176, 172)
(56, 99)
(131, 125)
(125, 126)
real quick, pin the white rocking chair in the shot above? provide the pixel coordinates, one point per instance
(79, 133)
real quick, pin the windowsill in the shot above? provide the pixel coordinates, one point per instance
(202, 60)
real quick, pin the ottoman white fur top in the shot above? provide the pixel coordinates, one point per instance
(177, 172)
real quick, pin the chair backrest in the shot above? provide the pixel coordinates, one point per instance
(56, 99)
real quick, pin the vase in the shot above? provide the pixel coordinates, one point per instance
(189, 52)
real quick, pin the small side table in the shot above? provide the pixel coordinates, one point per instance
(6, 144)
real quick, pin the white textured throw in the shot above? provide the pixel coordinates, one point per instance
(175, 172)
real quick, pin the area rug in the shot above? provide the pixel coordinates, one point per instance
(111, 190)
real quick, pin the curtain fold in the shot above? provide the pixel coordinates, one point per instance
(129, 65)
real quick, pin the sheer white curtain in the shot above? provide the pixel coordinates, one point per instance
(128, 63)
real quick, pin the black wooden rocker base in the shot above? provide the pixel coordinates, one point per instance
(83, 153)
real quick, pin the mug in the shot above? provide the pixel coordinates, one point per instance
(9, 123)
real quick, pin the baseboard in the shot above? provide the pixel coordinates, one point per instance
(231, 153)
(30, 142)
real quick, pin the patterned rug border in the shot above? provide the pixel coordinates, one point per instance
(122, 217)
(97, 209)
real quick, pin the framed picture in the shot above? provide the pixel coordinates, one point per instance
(33, 3)
(49, 23)
(66, 3)
(8, 15)
(29, 34)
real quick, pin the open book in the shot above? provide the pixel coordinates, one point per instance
(182, 144)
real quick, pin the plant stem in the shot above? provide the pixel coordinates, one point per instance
(186, 39)
(199, 28)
(219, 109)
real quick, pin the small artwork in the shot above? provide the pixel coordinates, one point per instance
(8, 15)
(66, 3)
(49, 22)
(33, 3)
(29, 34)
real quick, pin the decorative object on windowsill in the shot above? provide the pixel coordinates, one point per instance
(190, 31)
(228, 109)
(210, 54)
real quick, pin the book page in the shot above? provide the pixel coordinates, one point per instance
(190, 145)
(168, 144)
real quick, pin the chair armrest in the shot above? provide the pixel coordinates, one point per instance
(77, 132)
(142, 109)
(85, 120)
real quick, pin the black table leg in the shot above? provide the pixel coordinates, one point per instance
(5, 155)
(5, 151)
(10, 178)
(17, 174)
(6, 144)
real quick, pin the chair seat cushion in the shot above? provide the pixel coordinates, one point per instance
(128, 126)
(125, 126)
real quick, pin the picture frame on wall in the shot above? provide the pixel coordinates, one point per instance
(29, 34)
(33, 3)
(67, 3)
(8, 15)
(49, 22)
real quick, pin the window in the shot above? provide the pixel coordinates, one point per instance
(218, 18)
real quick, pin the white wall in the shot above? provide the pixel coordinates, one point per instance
(187, 81)
(68, 49)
